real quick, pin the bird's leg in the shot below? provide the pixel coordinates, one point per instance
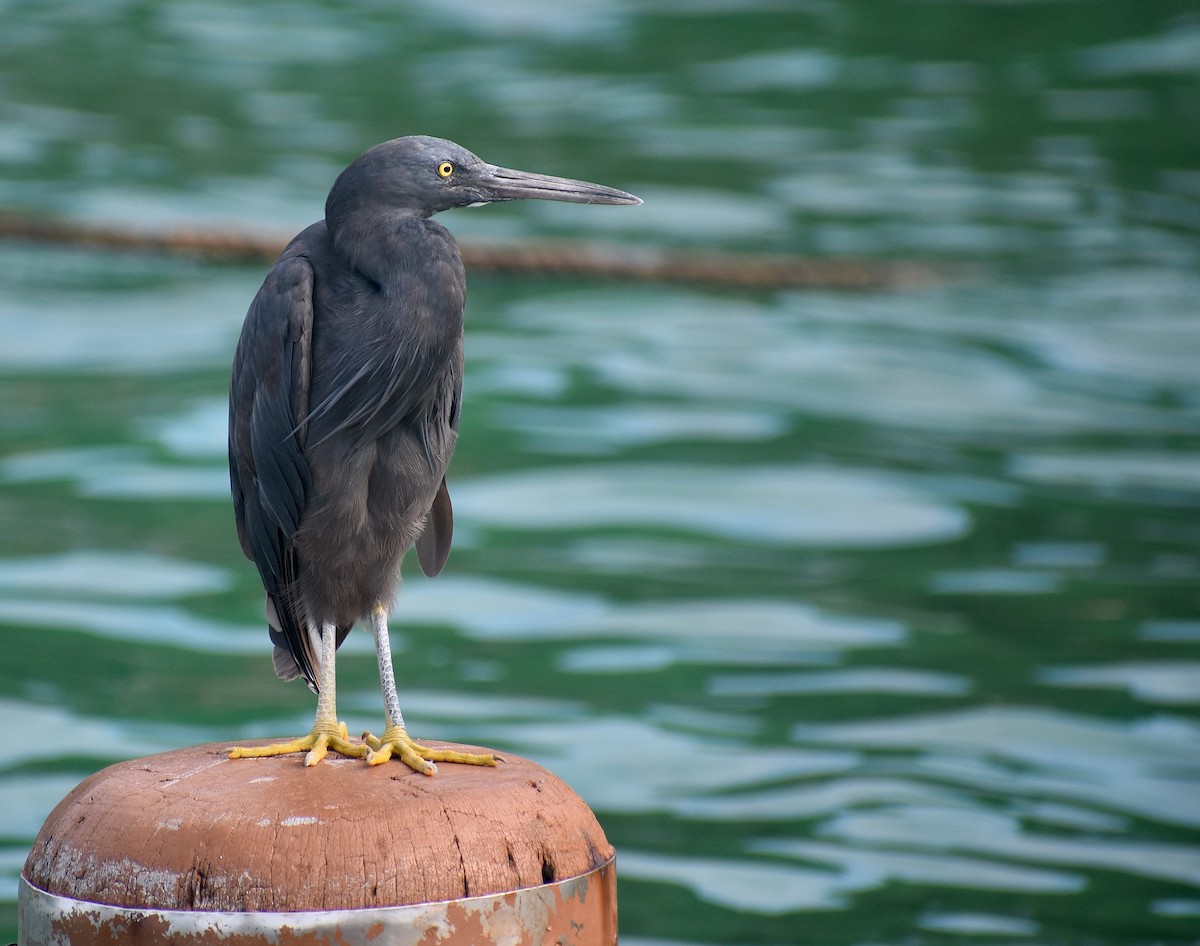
(327, 733)
(395, 739)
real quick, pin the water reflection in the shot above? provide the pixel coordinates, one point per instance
(59, 313)
(960, 364)
(111, 575)
(785, 505)
(118, 472)
(1149, 768)
(858, 680)
(100, 738)
(1173, 50)
(1171, 683)
(763, 888)
(136, 623)
(977, 924)
(567, 431)
(486, 609)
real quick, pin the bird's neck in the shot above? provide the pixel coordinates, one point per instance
(388, 246)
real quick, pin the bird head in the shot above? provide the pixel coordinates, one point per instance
(424, 175)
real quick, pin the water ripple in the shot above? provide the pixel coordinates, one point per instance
(489, 609)
(1149, 769)
(112, 574)
(975, 830)
(858, 680)
(797, 505)
(940, 870)
(1176, 682)
(757, 887)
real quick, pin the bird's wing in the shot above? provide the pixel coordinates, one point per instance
(433, 544)
(269, 474)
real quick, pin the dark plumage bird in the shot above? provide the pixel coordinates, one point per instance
(344, 409)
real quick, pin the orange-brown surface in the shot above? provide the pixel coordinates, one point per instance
(194, 830)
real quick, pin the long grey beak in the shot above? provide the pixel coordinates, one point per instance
(507, 184)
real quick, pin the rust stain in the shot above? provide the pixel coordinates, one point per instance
(579, 911)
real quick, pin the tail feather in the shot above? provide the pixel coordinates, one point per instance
(295, 652)
(297, 643)
(286, 667)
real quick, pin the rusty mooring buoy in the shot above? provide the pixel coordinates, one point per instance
(191, 847)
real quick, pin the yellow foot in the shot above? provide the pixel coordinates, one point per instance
(316, 744)
(417, 757)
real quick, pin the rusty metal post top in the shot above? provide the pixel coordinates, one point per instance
(193, 832)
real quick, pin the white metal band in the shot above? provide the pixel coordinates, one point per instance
(586, 902)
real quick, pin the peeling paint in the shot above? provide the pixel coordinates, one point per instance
(579, 911)
(148, 884)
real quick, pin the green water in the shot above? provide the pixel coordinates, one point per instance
(857, 618)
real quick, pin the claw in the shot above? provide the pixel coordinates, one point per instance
(317, 744)
(419, 758)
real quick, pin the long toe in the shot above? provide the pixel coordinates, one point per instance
(395, 741)
(323, 739)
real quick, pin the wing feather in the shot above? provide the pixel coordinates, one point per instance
(433, 544)
(269, 473)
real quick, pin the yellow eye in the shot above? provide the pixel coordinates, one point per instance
(445, 169)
